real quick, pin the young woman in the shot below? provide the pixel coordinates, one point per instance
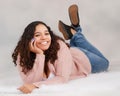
(44, 58)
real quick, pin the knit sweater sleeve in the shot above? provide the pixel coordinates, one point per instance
(63, 66)
(36, 73)
(64, 63)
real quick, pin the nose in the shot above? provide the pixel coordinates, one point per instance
(43, 36)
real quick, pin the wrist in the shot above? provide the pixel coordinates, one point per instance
(40, 53)
(33, 86)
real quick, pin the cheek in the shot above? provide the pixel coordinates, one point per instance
(36, 39)
(50, 38)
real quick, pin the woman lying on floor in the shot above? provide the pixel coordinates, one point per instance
(44, 58)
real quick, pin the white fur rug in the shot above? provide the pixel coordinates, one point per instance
(99, 84)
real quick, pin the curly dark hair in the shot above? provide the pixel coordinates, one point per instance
(27, 57)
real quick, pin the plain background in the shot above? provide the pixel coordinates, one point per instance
(100, 21)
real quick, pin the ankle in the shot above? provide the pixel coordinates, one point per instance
(75, 26)
(72, 31)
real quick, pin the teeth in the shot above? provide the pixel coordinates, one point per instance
(43, 43)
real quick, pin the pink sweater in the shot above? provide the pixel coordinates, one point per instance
(71, 63)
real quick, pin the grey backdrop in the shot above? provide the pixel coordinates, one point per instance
(100, 20)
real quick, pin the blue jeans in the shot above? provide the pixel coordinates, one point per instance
(98, 61)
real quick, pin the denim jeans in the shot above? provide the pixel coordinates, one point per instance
(98, 61)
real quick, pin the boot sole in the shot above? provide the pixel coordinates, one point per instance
(73, 14)
(63, 31)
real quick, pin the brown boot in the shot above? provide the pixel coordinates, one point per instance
(73, 15)
(65, 30)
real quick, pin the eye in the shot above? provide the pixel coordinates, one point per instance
(47, 33)
(36, 35)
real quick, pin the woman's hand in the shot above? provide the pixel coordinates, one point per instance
(27, 88)
(34, 48)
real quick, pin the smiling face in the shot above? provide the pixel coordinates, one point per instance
(42, 37)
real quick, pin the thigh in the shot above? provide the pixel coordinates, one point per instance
(98, 63)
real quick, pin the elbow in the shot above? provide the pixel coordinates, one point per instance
(65, 79)
(27, 81)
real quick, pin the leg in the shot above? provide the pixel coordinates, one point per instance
(97, 60)
(79, 40)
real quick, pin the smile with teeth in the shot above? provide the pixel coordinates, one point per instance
(44, 43)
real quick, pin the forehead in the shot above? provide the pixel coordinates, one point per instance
(41, 27)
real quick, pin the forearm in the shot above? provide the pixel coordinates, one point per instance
(52, 81)
(36, 73)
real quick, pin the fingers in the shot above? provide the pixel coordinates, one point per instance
(33, 41)
(24, 89)
(32, 45)
(34, 48)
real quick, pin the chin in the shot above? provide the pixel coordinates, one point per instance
(45, 48)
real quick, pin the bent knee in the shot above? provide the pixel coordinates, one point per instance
(102, 66)
(106, 65)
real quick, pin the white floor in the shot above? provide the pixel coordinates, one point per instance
(100, 84)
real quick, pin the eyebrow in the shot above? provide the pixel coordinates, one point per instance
(36, 32)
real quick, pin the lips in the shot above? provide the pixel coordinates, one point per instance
(44, 43)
